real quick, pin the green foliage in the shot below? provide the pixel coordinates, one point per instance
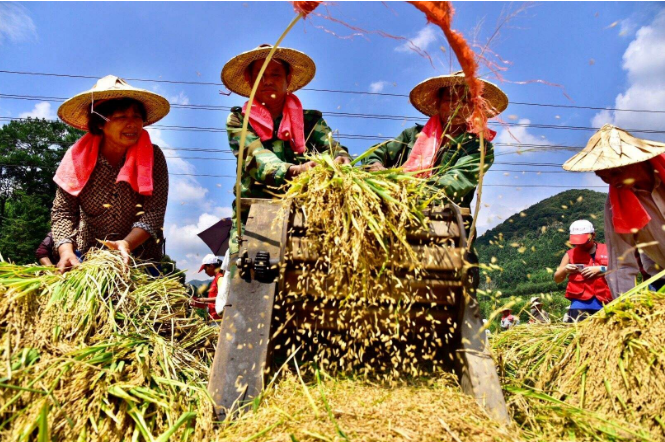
(30, 151)
(528, 247)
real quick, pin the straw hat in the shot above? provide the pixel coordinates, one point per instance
(302, 68)
(424, 96)
(612, 147)
(75, 110)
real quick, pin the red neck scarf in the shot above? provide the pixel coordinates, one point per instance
(628, 214)
(80, 160)
(291, 129)
(426, 148)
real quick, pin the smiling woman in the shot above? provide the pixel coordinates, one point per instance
(113, 183)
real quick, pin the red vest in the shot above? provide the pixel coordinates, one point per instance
(585, 289)
(212, 293)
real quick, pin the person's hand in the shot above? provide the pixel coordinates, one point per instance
(68, 260)
(122, 246)
(590, 272)
(342, 160)
(294, 171)
(571, 268)
(375, 167)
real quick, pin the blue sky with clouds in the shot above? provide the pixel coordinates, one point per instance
(601, 54)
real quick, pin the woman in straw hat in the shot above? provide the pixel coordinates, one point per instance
(635, 206)
(113, 183)
(280, 132)
(443, 149)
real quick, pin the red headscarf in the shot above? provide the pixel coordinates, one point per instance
(79, 161)
(426, 148)
(628, 214)
(291, 129)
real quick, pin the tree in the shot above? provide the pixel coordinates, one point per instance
(30, 151)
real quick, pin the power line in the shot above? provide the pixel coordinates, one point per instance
(337, 91)
(210, 107)
(381, 137)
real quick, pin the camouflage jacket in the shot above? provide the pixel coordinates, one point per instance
(458, 163)
(266, 163)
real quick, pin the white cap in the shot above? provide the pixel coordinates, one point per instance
(580, 231)
(209, 259)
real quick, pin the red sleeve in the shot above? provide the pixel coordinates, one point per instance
(212, 293)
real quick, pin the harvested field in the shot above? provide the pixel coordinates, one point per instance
(109, 354)
(604, 377)
(101, 353)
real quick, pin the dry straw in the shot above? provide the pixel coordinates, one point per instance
(357, 224)
(603, 378)
(101, 353)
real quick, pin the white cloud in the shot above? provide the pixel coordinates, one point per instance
(41, 110)
(378, 86)
(627, 27)
(426, 36)
(182, 188)
(510, 138)
(181, 98)
(495, 214)
(644, 63)
(15, 23)
(183, 244)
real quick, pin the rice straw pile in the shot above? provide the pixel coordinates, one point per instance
(601, 378)
(334, 409)
(357, 223)
(101, 353)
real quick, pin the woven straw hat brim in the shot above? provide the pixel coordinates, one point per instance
(303, 69)
(424, 96)
(613, 147)
(75, 111)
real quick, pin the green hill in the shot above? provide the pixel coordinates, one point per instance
(525, 249)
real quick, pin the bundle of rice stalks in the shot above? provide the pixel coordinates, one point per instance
(103, 352)
(357, 223)
(602, 378)
(334, 409)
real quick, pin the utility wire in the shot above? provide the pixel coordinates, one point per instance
(381, 137)
(337, 91)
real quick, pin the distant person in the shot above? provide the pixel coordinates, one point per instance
(45, 253)
(635, 208)
(537, 312)
(585, 266)
(212, 265)
(508, 321)
(225, 287)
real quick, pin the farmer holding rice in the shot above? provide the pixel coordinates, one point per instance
(585, 266)
(113, 183)
(280, 132)
(443, 149)
(635, 206)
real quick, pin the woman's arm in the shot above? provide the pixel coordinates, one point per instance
(65, 217)
(564, 269)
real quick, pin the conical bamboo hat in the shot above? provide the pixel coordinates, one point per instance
(302, 68)
(76, 110)
(613, 147)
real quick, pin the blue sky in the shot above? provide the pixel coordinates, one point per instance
(602, 54)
